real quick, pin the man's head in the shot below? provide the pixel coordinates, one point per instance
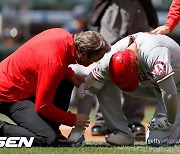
(123, 70)
(90, 47)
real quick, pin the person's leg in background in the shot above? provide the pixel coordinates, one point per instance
(119, 20)
(134, 109)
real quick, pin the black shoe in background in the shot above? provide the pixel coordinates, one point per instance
(138, 131)
(100, 129)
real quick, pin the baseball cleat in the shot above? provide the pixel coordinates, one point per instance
(161, 133)
(120, 139)
(80, 142)
(76, 137)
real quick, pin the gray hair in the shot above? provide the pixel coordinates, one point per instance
(91, 42)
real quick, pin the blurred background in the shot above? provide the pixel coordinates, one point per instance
(22, 19)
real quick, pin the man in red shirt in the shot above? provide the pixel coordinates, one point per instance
(36, 83)
(173, 19)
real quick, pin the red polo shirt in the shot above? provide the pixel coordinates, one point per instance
(36, 69)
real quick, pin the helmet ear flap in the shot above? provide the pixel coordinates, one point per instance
(123, 70)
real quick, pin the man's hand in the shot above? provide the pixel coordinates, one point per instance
(78, 79)
(161, 30)
(82, 121)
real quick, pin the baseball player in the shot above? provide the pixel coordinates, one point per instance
(144, 65)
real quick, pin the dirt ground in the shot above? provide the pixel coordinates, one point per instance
(66, 130)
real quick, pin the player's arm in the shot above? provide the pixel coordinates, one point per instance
(169, 96)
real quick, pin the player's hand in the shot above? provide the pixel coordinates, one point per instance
(78, 79)
(82, 121)
(161, 30)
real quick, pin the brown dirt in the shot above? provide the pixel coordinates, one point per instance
(66, 130)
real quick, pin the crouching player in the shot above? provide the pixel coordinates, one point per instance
(144, 65)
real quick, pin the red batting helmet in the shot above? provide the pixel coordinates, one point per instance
(123, 70)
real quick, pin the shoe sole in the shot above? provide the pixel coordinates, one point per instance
(140, 138)
(105, 144)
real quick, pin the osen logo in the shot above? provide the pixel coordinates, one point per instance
(13, 142)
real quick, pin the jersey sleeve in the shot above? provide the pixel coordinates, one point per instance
(159, 61)
(49, 77)
(101, 71)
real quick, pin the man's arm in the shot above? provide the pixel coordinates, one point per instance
(173, 15)
(173, 19)
(48, 79)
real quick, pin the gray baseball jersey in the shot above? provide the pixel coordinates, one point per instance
(159, 58)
